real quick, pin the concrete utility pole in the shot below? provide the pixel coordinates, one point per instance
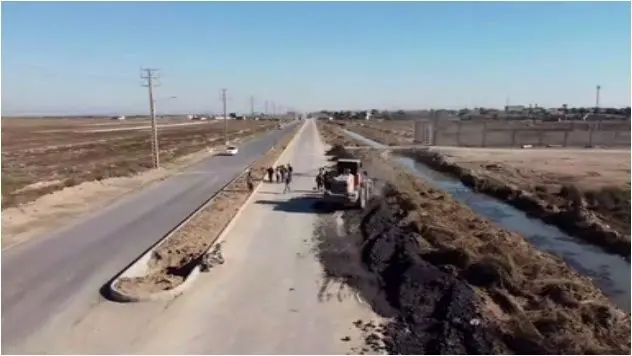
(149, 75)
(225, 116)
(597, 98)
(252, 107)
(266, 108)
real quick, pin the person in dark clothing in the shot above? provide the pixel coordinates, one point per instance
(319, 181)
(290, 168)
(270, 171)
(283, 173)
(249, 182)
(327, 180)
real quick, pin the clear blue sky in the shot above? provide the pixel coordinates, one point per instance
(84, 57)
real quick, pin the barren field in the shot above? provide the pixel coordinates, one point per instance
(173, 260)
(453, 282)
(43, 156)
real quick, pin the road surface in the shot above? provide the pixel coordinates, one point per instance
(268, 298)
(49, 282)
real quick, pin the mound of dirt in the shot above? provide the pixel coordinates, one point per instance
(569, 211)
(338, 151)
(443, 298)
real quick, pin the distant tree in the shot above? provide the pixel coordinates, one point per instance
(374, 112)
(232, 115)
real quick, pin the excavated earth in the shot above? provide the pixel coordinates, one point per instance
(449, 281)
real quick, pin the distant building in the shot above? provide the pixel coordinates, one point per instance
(515, 108)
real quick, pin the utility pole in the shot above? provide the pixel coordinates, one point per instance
(252, 107)
(597, 98)
(266, 108)
(149, 75)
(225, 117)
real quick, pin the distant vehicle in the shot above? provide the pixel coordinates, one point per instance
(279, 127)
(232, 150)
(121, 117)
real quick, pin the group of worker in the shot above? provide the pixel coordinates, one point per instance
(281, 174)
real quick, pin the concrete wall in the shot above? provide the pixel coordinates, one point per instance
(518, 133)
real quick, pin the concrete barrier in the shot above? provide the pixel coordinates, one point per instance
(515, 134)
(141, 265)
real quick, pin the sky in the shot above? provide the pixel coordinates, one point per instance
(84, 57)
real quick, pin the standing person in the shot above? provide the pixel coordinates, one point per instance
(270, 171)
(283, 173)
(249, 182)
(288, 181)
(278, 174)
(290, 168)
(319, 181)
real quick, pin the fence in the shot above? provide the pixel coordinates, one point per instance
(518, 133)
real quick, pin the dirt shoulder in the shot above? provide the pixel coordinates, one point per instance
(55, 209)
(453, 282)
(173, 259)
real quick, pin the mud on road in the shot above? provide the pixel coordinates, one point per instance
(451, 281)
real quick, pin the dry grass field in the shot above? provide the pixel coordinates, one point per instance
(40, 156)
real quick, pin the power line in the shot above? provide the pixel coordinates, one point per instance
(225, 117)
(150, 75)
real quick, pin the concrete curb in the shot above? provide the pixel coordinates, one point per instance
(139, 267)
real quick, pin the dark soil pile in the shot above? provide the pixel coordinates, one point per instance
(432, 311)
(570, 210)
(439, 295)
(338, 151)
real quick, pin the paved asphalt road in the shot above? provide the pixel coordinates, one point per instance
(65, 270)
(268, 298)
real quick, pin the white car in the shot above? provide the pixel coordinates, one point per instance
(232, 150)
